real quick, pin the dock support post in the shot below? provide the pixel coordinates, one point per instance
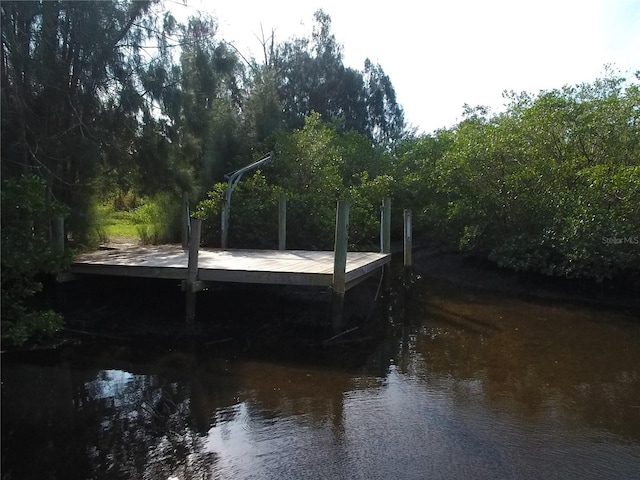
(224, 224)
(408, 238)
(192, 269)
(186, 226)
(385, 239)
(282, 221)
(340, 265)
(385, 226)
(407, 273)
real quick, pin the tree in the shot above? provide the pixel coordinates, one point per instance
(61, 61)
(262, 111)
(209, 122)
(385, 118)
(312, 78)
(307, 167)
(413, 165)
(71, 103)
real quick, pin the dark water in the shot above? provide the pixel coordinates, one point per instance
(465, 385)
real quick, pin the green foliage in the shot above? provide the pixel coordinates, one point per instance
(26, 255)
(159, 218)
(149, 220)
(263, 115)
(69, 98)
(365, 199)
(208, 124)
(547, 186)
(319, 164)
(417, 184)
(311, 77)
(209, 211)
(254, 218)
(308, 167)
(314, 167)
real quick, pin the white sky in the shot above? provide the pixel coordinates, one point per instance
(442, 54)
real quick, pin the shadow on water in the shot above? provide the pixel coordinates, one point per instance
(441, 381)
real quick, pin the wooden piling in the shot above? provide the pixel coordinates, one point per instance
(385, 239)
(186, 215)
(408, 238)
(192, 285)
(340, 264)
(282, 221)
(224, 224)
(385, 226)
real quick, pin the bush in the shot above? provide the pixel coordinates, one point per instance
(549, 185)
(26, 255)
(253, 220)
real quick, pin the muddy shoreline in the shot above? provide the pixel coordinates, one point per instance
(466, 271)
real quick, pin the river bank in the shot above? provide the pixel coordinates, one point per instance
(467, 271)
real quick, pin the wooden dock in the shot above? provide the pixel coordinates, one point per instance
(196, 267)
(276, 267)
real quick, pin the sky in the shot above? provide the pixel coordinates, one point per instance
(441, 55)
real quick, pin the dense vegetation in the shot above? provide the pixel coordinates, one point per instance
(551, 185)
(114, 107)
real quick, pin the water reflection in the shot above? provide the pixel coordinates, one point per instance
(466, 385)
(84, 422)
(532, 357)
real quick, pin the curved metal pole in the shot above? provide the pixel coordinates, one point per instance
(233, 179)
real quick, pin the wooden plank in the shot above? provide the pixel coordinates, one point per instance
(270, 278)
(364, 268)
(57, 234)
(288, 267)
(301, 261)
(338, 283)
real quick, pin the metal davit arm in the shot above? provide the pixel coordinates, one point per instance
(233, 178)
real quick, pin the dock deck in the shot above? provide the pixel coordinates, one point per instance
(277, 267)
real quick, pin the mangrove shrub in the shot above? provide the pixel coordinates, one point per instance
(552, 185)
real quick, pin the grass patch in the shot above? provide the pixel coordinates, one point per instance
(120, 225)
(148, 222)
(122, 231)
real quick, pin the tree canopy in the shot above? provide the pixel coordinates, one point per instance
(104, 97)
(312, 77)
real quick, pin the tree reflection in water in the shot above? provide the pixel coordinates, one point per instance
(147, 429)
(83, 422)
